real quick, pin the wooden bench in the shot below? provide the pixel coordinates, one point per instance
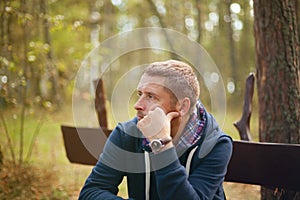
(272, 165)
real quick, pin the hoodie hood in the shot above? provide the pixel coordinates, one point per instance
(211, 136)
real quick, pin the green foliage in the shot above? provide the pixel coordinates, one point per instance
(25, 25)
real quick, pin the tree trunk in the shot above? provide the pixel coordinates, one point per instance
(277, 63)
(163, 25)
(24, 80)
(6, 42)
(199, 20)
(51, 70)
(298, 17)
(231, 45)
(1, 158)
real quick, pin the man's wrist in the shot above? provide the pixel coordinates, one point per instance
(167, 146)
(158, 137)
(158, 145)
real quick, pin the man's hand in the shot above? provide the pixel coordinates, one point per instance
(156, 124)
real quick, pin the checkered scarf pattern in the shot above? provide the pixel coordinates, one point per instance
(194, 128)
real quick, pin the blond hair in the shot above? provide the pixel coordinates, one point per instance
(179, 78)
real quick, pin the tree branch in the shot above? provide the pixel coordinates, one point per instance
(243, 125)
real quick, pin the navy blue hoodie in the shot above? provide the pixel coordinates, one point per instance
(164, 175)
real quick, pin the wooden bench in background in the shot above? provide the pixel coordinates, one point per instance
(272, 165)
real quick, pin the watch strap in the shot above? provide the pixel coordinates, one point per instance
(157, 144)
(166, 140)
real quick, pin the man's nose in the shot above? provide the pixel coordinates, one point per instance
(139, 105)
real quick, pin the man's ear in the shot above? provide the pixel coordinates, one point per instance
(185, 105)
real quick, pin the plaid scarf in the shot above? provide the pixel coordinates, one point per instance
(192, 131)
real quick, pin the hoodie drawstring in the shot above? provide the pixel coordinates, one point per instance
(147, 169)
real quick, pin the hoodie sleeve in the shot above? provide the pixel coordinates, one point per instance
(102, 183)
(206, 175)
(104, 180)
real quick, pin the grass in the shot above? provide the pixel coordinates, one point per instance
(48, 164)
(54, 176)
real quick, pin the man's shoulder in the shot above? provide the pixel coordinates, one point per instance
(211, 140)
(213, 135)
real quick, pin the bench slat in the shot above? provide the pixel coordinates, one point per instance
(272, 165)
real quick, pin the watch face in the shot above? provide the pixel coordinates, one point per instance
(156, 145)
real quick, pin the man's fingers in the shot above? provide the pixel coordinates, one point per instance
(172, 115)
(152, 123)
(156, 122)
(144, 122)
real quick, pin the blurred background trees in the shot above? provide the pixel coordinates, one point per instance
(43, 42)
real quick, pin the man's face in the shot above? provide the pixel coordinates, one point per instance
(152, 94)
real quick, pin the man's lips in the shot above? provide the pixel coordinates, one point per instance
(140, 117)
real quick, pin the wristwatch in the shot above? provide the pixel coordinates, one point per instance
(157, 144)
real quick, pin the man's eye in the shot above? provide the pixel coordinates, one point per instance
(139, 94)
(150, 96)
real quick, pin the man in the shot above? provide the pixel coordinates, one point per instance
(172, 149)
